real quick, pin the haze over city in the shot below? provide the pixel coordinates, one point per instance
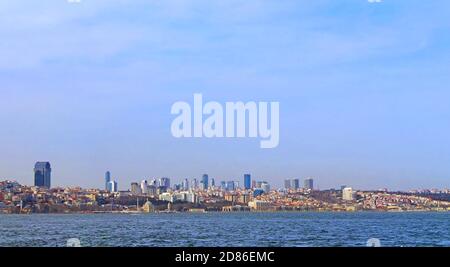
(362, 89)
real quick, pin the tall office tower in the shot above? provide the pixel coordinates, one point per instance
(213, 182)
(309, 184)
(164, 182)
(259, 184)
(347, 194)
(247, 181)
(42, 174)
(194, 184)
(205, 181)
(144, 187)
(223, 185)
(135, 189)
(185, 184)
(107, 179)
(295, 184)
(230, 186)
(112, 187)
(265, 187)
(287, 184)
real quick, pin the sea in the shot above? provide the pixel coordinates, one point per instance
(247, 229)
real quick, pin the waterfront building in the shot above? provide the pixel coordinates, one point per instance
(347, 194)
(148, 207)
(42, 174)
(135, 189)
(309, 184)
(260, 205)
(247, 181)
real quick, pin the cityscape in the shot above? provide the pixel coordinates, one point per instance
(207, 195)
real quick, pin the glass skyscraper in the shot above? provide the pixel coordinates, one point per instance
(309, 184)
(247, 181)
(42, 174)
(107, 180)
(205, 181)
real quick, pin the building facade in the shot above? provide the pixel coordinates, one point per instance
(42, 174)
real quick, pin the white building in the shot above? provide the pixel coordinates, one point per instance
(144, 187)
(265, 187)
(347, 194)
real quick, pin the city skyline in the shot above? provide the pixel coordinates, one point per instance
(42, 178)
(362, 89)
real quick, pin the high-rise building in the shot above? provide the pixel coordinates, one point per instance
(164, 182)
(135, 189)
(247, 181)
(230, 186)
(194, 184)
(347, 194)
(107, 179)
(265, 187)
(287, 184)
(185, 184)
(213, 182)
(42, 174)
(309, 184)
(144, 187)
(295, 184)
(205, 181)
(259, 184)
(112, 187)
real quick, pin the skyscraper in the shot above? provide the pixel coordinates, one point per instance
(295, 184)
(42, 174)
(247, 181)
(164, 182)
(144, 187)
(287, 184)
(205, 181)
(107, 179)
(185, 184)
(265, 187)
(112, 187)
(309, 184)
(135, 189)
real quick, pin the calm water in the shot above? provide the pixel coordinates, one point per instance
(228, 229)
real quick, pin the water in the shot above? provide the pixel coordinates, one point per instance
(227, 229)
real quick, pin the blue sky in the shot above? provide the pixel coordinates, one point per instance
(363, 89)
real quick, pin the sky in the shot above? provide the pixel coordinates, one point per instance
(363, 89)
